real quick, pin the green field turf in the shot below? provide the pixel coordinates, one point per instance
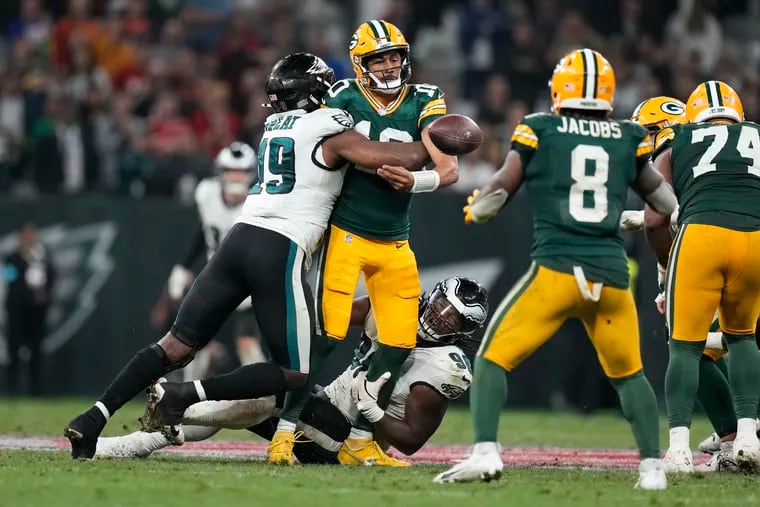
(518, 428)
(46, 479)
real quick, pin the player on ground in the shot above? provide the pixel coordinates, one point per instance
(578, 166)
(714, 165)
(436, 371)
(219, 200)
(369, 231)
(304, 151)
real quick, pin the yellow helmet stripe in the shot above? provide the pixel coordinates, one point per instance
(589, 74)
(377, 29)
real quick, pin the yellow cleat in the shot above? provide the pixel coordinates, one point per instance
(280, 451)
(365, 451)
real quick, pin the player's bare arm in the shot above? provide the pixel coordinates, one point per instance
(484, 204)
(658, 224)
(353, 147)
(446, 168)
(424, 411)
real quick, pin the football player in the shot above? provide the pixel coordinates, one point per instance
(713, 393)
(304, 153)
(219, 201)
(434, 373)
(712, 163)
(578, 166)
(369, 231)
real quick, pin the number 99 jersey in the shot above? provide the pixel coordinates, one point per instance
(295, 189)
(578, 171)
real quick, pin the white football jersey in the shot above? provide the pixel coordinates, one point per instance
(217, 218)
(296, 190)
(445, 369)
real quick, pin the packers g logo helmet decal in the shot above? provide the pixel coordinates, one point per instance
(659, 112)
(673, 108)
(354, 41)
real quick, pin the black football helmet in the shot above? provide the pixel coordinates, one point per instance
(456, 308)
(298, 81)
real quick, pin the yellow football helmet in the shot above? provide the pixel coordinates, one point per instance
(659, 112)
(714, 99)
(583, 79)
(374, 37)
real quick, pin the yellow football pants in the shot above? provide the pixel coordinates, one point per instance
(542, 300)
(393, 284)
(712, 267)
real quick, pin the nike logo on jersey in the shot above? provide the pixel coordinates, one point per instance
(399, 246)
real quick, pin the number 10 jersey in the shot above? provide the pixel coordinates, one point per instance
(295, 190)
(578, 171)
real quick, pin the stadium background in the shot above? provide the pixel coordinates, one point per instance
(111, 110)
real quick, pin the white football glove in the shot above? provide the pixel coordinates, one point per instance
(365, 395)
(632, 220)
(660, 299)
(179, 279)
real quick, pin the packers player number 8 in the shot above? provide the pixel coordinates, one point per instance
(748, 146)
(594, 183)
(277, 159)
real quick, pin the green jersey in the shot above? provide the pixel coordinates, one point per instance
(578, 172)
(368, 205)
(716, 174)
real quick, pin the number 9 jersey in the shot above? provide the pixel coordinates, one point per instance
(295, 190)
(578, 171)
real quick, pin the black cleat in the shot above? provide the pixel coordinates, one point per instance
(165, 406)
(83, 435)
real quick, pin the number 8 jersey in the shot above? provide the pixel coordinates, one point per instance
(578, 171)
(295, 190)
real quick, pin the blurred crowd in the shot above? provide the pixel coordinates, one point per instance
(135, 97)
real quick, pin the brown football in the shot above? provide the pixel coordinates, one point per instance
(456, 134)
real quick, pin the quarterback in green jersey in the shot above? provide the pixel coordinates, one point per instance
(369, 227)
(577, 165)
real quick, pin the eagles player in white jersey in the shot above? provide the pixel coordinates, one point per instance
(435, 372)
(219, 201)
(304, 153)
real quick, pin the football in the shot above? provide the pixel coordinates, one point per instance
(455, 134)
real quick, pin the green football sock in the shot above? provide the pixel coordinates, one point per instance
(489, 391)
(321, 346)
(385, 358)
(714, 394)
(682, 381)
(744, 373)
(639, 406)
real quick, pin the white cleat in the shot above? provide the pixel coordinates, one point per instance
(721, 462)
(135, 445)
(484, 464)
(746, 452)
(652, 475)
(678, 460)
(710, 445)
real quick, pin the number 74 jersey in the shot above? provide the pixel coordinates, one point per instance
(578, 171)
(716, 173)
(295, 190)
